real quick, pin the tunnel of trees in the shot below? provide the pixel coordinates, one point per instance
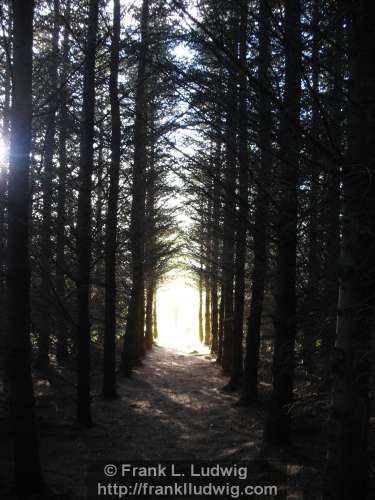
(230, 142)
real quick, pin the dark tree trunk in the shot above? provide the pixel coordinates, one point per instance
(229, 198)
(134, 336)
(278, 422)
(155, 317)
(348, 474)
(207, 310)
(84, 220)
(109, 374)
(220, 336)
(216, 235)
(46, 324)
(150, 291)
(99, 229)
(311, 315)
(150, 246)
(214, 315)
(149, 316)
(333, 182)
(249, 386)
(207, 250)
(61, 324)
(242, 221)
(200, 308)
(28, 474)
(215, 250)
(3, 185)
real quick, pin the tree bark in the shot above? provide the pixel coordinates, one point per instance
(46, 323)
(61, 324)
(250, 381)
(3, 188)
(242, 215)
(348, 472)
(278, 420)
(311, 316)
(84, 220)
(3, 181)
(200, 308)
(215, 248)
(27, 469)
(150, 243)
(109, 374)
(220, 332)
(333, 182)
(229, 198)
(134, 346)
(149, 316)
(155, 317)
(207, 310)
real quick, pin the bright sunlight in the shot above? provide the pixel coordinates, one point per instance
(177, 314)
(3, 151)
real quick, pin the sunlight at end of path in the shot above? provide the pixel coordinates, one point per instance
(177, 315)
(3, 152)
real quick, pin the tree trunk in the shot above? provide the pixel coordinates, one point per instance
(220, 332)
(149, 315)
(249, 386)
(134, 336)
(278, 420)
(28, 474)
(242, 220)
(215, 250)
(109, 375)
(347, 473)
(207, 310)
(47, 189)
(61, 324)
(313, 294)
(3, 183)
(214, 315)
(333, 182)
(229, 200)
(200, 309)
(3, 187)
(155, 318)
(99, 229)
(84, 220)
(150, 243)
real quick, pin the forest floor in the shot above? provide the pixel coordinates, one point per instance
(173, 407)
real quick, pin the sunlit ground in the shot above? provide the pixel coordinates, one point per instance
(177, 305)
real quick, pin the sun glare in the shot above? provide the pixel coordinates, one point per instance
(177, 305)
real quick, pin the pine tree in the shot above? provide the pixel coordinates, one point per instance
(278, 429)
(84, 220)
(27, 468)
(109, 377)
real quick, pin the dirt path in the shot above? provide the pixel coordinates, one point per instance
(172, 408)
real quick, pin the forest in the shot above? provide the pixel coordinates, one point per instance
(187, 248)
